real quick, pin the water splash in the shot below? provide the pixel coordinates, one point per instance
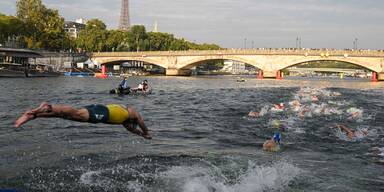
(255, 178)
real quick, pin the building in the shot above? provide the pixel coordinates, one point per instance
(74, 28)
(234, 67)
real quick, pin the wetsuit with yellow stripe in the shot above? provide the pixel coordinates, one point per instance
(111, 114)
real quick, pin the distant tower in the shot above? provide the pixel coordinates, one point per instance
(124, 23)
(155, 27)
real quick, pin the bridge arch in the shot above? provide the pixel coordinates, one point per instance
(188, 64)
(365, 65)
(110, 61)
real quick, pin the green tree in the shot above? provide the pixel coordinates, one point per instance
(31, 12)
(179, 44)
(11, 27)
(45, 27)
(328, 64)
(117, 40)
(53, 36)
(160, 41)
(138, 36)
(93, 37)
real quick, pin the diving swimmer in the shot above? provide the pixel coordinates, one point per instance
(108, 114)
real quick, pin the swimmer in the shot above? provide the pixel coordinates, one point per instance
(108, 114)
(273, 144)
(254, 114)
(355, 113)
(279, 106)
(336, 94)
(304, 111)
(315, 98)
(352, 134)
(377, 151)
(279, 125)
(295, 105)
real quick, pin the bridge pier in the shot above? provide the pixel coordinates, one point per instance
(260, 74)
(279, 75)
(178, 72)
(380, 76)
(272, 74)
(269, 74)
(374, 76)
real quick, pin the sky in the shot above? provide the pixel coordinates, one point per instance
(242, 23)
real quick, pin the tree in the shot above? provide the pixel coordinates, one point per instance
(160, 41)
(138, 35)
(31, 12)
(45, 27)
(117, 40)
(10, 28)
(93, 37)
(53, 36)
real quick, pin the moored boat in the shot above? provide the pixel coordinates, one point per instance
(40, 70)
(15, 63)
(12, 70)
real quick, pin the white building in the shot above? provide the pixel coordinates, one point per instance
(81, 21)
(234, 67)
(74, 28)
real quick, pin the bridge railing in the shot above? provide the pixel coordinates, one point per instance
(258, 51)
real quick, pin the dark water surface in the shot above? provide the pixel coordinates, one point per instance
(202, 137)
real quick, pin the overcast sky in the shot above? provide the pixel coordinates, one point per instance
(266, 23)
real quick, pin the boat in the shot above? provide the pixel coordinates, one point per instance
(15, 63)
(40, 70)
(12, 70)
(78, 74)
(240, 80)
(130, 91)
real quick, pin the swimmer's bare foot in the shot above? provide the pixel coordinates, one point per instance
(147, 136)
(44, 107)
(23, 119)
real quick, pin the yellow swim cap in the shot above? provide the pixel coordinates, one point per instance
(276, 123)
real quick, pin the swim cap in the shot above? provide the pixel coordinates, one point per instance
(276, 123)
(276, 137)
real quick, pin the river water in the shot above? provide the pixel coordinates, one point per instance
(203, 139)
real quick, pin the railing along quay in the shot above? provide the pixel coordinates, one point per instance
(261, 51)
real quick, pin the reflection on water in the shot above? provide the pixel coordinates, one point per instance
(203, 137)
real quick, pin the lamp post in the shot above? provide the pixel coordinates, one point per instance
(300, 43)
(355, 43)
(245, 43)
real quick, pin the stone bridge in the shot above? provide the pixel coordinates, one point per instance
(269, 61)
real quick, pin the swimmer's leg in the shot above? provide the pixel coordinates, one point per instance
(58, 111)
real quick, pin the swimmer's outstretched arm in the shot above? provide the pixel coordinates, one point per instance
(344, 128)
(348, 131)
(132, 129)
(137, 118)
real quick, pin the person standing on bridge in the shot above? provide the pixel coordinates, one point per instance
(109, 114)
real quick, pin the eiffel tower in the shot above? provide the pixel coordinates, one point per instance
(124, 23)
